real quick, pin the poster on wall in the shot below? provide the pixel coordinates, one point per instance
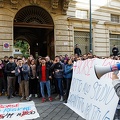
(6, 46)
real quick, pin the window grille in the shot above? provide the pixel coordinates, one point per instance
(115, 18)
(16, 50)
(82, 39)
(114, 40)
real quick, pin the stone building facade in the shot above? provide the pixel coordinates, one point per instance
(53, 27)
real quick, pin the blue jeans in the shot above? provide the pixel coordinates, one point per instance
(59, 81)
(42, 84)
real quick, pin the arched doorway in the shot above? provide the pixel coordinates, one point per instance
(35, 24)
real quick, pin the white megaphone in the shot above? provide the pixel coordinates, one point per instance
(101, 70)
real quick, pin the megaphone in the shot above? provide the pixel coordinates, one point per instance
(101, 70)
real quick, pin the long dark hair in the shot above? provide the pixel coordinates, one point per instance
(68, 60)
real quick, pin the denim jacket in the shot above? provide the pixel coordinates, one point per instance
(26, 72)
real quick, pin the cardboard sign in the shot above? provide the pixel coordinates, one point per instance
(90, 97)
(18, 111)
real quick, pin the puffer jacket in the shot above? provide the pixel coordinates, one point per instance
(68, 71)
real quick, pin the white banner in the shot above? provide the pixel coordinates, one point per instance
(90, 97)
(18, 111)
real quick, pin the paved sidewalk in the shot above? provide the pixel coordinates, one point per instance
(49, 110)
(56, 111)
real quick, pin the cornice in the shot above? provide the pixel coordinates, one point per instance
(112, 23)
(110, 8)
(81, 20)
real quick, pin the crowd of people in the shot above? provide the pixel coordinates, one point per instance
(26, 77)
(29, 76)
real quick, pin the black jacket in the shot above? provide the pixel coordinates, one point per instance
(58, 66)
(115, 51)
(78, 51)
(39, 72)
(10, 67)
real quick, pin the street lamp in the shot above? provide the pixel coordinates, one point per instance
(90, 27)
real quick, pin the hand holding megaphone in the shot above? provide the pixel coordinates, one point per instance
(114, 76)
(101, 70)
(116, 72)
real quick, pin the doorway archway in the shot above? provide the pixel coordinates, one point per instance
(35, 25)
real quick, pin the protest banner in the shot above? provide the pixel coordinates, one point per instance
(18, 111)
(90, 97)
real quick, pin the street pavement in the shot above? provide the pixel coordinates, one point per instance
(54, 110)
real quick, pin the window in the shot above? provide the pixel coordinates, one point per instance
(16, 50)
(82, 39)
(114, 40)
(82, 14)
(115, 18)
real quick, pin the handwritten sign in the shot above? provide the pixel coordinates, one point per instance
(18, 111)
(90, 97)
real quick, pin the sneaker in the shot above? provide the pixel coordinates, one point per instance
(22, 98)
(57, 97)
(61, 99)
(8, 97)
(28, 98)
(50, 99)
(12, 96)
(36, 95)
(65, 101)
(43, 100)
(30, 95)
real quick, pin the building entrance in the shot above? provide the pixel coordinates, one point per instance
(35, 25)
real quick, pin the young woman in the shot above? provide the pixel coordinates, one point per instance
(1, 77)
(68, 76)
(33, 79)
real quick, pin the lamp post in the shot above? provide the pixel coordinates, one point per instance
(90, 27)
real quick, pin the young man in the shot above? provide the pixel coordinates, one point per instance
(77, 50)
(116, 84)
(22, 71)
(115, 50)
(10, 70)
(47, 58)
(44, 76)
(58, 71)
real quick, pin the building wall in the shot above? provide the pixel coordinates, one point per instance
(8, 12)
(101, 22)
(65, 25)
